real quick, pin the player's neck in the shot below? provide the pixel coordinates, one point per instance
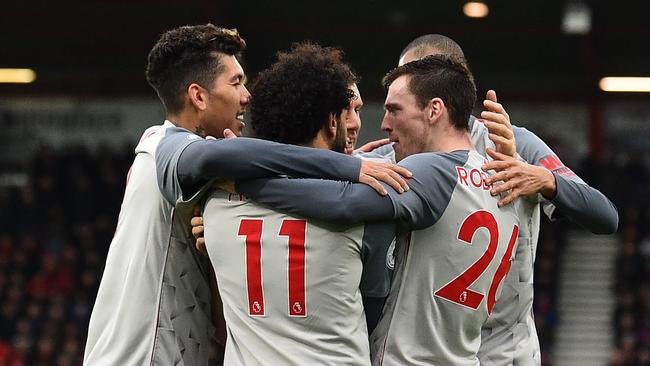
(184, 119)
(319, 142)
(450, 139)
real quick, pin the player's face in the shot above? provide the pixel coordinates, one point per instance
(350, 116)
(404, 120)
(227, 100)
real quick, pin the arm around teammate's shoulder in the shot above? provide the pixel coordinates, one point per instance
(248, 158)
(584, 205)
(574, 198)
(433, 182)
(328, 200)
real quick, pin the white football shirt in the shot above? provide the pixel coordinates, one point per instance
(290, 286)
(448, 275)
(152, 306)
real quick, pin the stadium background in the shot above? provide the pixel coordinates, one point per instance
(67, 143)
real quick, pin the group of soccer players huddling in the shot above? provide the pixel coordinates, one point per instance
(413, 250)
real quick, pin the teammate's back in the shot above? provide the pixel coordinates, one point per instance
(447, 275)
(290, 286)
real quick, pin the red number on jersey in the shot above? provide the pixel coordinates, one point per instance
(252, 229)
(457, 291)
(295, 230)
(503, 269)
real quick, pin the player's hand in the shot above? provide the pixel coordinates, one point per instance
(497, 121)
(227, 133)
(373, 145)
(197, 231)
(518, 177)
(393, 175)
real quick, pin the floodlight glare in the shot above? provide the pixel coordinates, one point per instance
(475, 9)
(625, 84)
(17, 76)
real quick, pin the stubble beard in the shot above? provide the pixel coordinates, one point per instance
(199, 130)
(339, 140)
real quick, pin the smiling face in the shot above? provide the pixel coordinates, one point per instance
(404, 120)
(352, 119)
(226, 101)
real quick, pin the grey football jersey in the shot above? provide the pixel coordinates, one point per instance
(185, 322)
(509, 336)
(453, 222)
(289, 285)
(455, 249)
(148, 309)
(186, 164)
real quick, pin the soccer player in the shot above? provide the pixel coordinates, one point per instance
(153, 304)
(454, 244)
(509, 336)
(290, 286)
(352, 119)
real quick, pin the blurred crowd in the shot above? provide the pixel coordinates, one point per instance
(628, 183)
(56, 229)
(551, 238)
(54, 236)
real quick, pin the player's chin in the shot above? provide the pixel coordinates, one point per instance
(399, 154)
(238, 127)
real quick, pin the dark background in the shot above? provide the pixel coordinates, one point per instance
(98, 48)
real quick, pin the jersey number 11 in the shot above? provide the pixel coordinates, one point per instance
(295, 231)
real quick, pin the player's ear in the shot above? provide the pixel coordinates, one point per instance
(197, 96)
(434, 109)
(332, 124)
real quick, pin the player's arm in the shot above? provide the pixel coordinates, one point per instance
(328, 200)
(353, 203)
(245, 158)
(185, 163)
(545, 174)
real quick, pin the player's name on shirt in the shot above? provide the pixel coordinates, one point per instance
(237, 197)
(472, 178)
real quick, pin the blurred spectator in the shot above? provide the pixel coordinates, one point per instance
(54, 236)
(632, 292)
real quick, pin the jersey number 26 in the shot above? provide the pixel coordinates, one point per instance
(458, 291)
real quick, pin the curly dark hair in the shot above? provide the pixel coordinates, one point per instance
(189, 54)
(440, 76)
(292, 99)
